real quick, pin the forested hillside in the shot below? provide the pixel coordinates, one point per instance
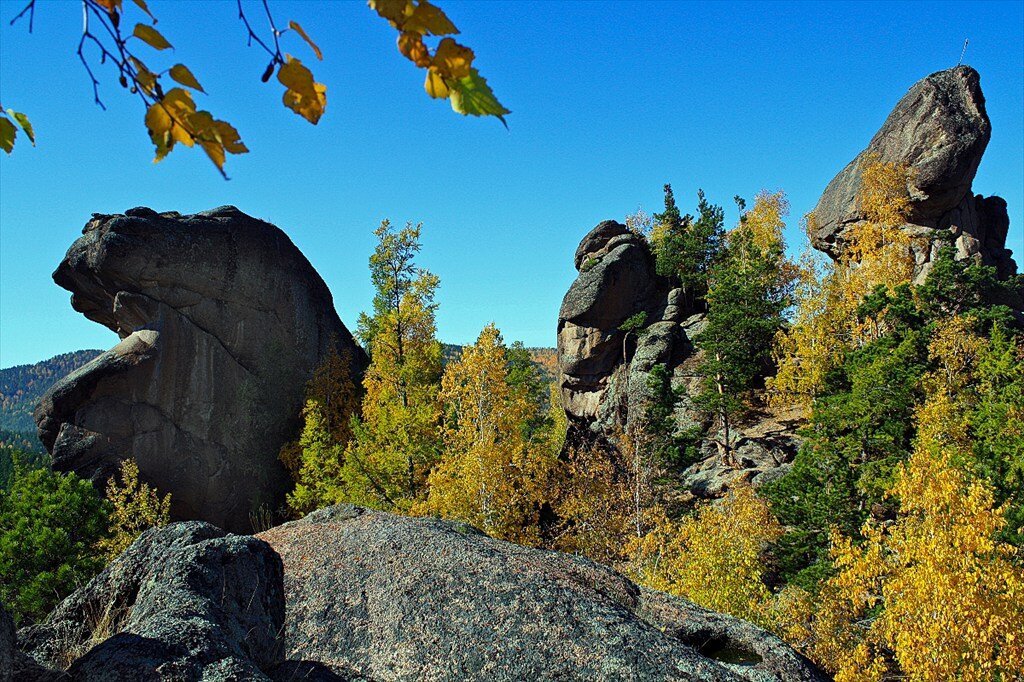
(22, 386)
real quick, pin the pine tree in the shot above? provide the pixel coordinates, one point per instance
(684, 248)
(750, 288)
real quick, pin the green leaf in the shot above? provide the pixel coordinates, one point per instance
(7, 133)
(151, 37)
(180, 73)
(25, 124)
(472, 96)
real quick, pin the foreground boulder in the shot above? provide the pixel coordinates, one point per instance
(940, 129)
(387, 597)
(184, 602)
(222, 321)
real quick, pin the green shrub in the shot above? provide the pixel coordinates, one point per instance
(50, 524)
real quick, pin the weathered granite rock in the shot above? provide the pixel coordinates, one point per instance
(222, 321)
(397, 598)
(940, 129)
(603, 371)
(184, 602)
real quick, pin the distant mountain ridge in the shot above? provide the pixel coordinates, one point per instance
(22, 386)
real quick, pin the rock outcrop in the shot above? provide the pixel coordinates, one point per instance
(603, 369)
(185, 602)
(222, 321)
(604, 372)
(940, 129)
(396, 598)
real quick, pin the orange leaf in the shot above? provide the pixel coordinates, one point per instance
(453, 60)
(411, 45)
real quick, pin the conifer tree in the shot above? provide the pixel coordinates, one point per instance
(750, 288)
(685, 248)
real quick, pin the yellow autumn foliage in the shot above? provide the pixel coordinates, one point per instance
(135, 507)
(934, 595)
(876, 253)
(714, 558)
(492, 475)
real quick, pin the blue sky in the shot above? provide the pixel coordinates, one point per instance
(609, 101)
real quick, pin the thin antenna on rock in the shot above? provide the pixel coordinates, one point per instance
(962, 52)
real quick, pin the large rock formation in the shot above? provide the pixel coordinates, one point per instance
(395, 598)
(603, 369)
(353, 595)
(222, 321)
(940, 129)
(184, 602)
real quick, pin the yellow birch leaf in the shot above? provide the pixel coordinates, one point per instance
(229, 137)
(151, 37)
(298, 29)
(428, 19)
(109, 5)
(7, 134)
(159, 124)
(453, 60)
(394, 11)
(179, 105)
(303, 96)
(435, 85)
(181, 74)
(143, 6)
(215, 151)
(146, 78)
